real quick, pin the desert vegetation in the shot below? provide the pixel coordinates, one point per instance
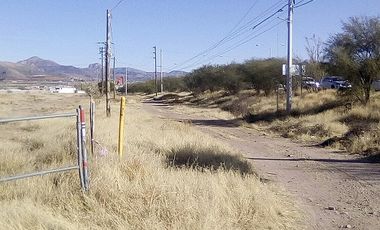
(321, 118)
(171, 84)
(171, 177)
(254, 91)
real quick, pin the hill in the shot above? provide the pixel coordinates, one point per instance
(36, 68)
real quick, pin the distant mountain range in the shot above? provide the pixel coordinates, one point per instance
(36, 69)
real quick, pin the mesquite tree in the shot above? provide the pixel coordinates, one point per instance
(355, 54)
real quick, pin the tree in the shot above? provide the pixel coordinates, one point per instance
(264, 75)
(314, 50)
(214, 78)
(202, 79)
(355, 53)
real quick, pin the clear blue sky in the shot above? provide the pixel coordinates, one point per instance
(67, 31)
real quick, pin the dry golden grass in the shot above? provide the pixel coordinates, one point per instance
(316, 117)
(323, 115)
(171, 177)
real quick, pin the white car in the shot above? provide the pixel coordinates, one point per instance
(334, 82)
(310, 83)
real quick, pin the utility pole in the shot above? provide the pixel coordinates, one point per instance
(108, 58)
(155, 69)
(290, 57)
(101, 52)
(162, 83)
(113, 78)
(126, 81)
(301, 76)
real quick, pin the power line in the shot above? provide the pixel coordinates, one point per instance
(234, 33)
(252, 21)
(244, 40)
(121, 1)
(298, 5)
(248, 25)
(251, 38)
(269, 17)
(231, 35)
(245, 15)
(231, 47)
(234, 46)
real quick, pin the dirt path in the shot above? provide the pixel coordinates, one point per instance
(335, 190)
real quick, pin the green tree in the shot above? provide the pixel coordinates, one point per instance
(264, 75)
(174, 84)
(355, 53)
(214, 78)
(141, 87)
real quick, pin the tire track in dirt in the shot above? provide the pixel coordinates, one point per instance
(335, 190)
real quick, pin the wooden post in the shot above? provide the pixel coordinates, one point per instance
(277, 97)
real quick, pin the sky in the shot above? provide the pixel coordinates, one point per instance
(212, 31)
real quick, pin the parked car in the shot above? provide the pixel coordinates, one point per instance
(310, 83)
(334, 82)
(376, 85)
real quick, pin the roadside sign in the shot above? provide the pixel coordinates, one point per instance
(294, 70)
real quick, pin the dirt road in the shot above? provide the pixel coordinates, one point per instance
(335, 190)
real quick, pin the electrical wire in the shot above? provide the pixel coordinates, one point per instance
(235, 45)
(205, 59)
(121, 1)
(234, 33)
(238, 32)
(298, 4)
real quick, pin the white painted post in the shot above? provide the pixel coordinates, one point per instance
(79, 150)
(84, 150)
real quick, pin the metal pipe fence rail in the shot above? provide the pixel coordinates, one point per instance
(7, 120)
(81, 148)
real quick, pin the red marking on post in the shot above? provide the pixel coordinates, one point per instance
(82, 116)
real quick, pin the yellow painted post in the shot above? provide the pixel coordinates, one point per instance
(121, 127)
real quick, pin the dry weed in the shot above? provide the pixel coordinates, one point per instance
(139, 191)
(319, 117)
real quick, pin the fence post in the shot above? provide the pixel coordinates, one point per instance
(79, 149)
(277, 97)
(121, 127)
(84, 150)
(92, 124)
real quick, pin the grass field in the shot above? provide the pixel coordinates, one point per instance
(317, 117)
(171, 176)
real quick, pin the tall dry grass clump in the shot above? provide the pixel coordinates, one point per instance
(364, 128)
(171, 177)
(323, 117)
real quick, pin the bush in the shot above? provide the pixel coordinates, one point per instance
(215, 78)
(264, 75)
(142, 87)
(174, 84)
